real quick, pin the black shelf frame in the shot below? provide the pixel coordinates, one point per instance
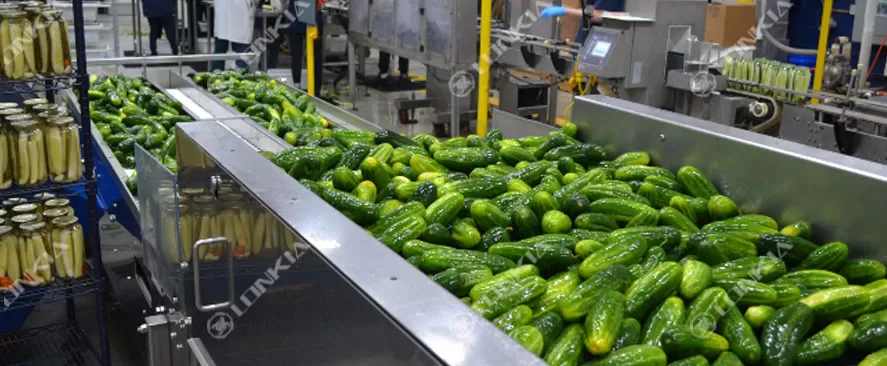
(65, 343)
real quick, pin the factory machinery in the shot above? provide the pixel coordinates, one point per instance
(302, 303)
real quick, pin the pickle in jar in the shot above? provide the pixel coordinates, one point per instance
(5, 161)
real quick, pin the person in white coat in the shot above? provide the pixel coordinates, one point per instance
(233, 28)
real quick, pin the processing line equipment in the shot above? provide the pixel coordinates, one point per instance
(294, 301)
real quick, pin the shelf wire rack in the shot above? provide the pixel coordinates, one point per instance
(38, 84)
(60, 289)
(57, 344)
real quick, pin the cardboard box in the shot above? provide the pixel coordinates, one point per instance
(726, 24)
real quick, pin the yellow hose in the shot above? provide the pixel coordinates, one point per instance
(823, 44)
(309, 54)
(483, 73)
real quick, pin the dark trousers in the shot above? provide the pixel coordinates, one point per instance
(158, 26)
(403, 63)
(297, 53)
(221, 46)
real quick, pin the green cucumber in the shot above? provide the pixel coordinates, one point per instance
(697, 276)
(708, 308)
(644, 219)
(595, 222)
(556, 222)
(783, 332)
(568, 348)
(878, 294)
(408, 228)
(862, 271)
(621, 210)
(696, 183)
(730, 246)
(459, 280)
(660, 181)
(549, 258)
(575, 205)
(603, 322)
(531, 173)
(517, 185)
(497, 302)
(682, 205)
(426, 193)
(721, 208)
(830, 257)
(633, 158)
(584, 154)
(567, 165)
(762, 269)
(387, 207)
(791, 249)
(786, 293)
(743, 341)
(875, 358)
(579, 302)
(629, 334)
(554, 140)
(747, 292)
(356, 209)
(757, 316)
(871, 317)
(437, 234)
(728, 359)
(559, 286)
(826, 345)
(502, 279)
(366, 191)
(516, 154)
(598, 236)
(669, 314)
(414, 248)
(837, 302)
(422, 164)
(517, 316)
(487, 215)
(813, 279)
(684, 341)
(749, 219)
(648, 291)
(438, 260)
(639, 172)
(869, 336)
(494, 236)
(585, 247)
(529, 337)
(595, 192)
(801, 229)
(637, 355)
(672, 217)
(550, 325)
(543, 202)
(659, 197)
(476, 187)
(625, 253)
(507, 200)
(344, 179)
(691, 361)
(525, 222)
(466, 158)
(565, 240)
(700, 209)
(464, 234)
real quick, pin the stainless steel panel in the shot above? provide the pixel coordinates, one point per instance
(328, 293)
(358, 17)
(157, 330)
(800, 125)
(513, 126)
(763, 174)
(439, 29)
(409, 24)
(383, 16)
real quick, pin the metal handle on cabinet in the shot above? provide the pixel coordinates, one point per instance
(195, 253)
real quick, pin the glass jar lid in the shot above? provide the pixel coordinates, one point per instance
(14, 13)
(193, 191)
(17, 117)
(8, 105)
(44, 196)
(23, 124)
(33, 226)
(47, 115)
(24, 208)
(35, 101)
(57, 202)
(55, 212)
(9, 202)
(2, 212)
(64, 221)
(12, 110)
(45, 107)
(24, 218)
(5, 229)
(61, 120)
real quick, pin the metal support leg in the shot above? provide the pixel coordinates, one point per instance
(352, 76)
(138, 24)
(552, 100)
(265, 51)
(455, 129)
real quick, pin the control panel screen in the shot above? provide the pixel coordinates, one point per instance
(598, 48)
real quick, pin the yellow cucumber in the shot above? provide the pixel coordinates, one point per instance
(28, 45)
(40, 145)
(22, 178)
(77, 240)
(17, 44)
(57, 52)
(55, 154)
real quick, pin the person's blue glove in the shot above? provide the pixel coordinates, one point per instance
(553, 11)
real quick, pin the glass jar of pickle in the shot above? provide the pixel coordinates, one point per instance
(59, 203)
(9, 247)
(52, 36)
(67, 246)
(7, 165)
(170, 227)
(63, 150)
(18, 49)
(29, 154)
(235, 225)
(48, 216)
(36, 263)
(209, 226)
(27, 208)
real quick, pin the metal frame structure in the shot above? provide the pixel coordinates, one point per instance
(80, 350)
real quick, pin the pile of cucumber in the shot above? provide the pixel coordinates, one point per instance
(583, 257)
(128, 111)
(285, 112)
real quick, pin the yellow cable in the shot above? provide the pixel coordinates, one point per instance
(823, 44)
(309, 45)
(483, 90)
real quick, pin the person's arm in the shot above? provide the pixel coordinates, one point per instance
(560, 11)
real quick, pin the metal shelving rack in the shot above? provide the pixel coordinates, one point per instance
(64, 343)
